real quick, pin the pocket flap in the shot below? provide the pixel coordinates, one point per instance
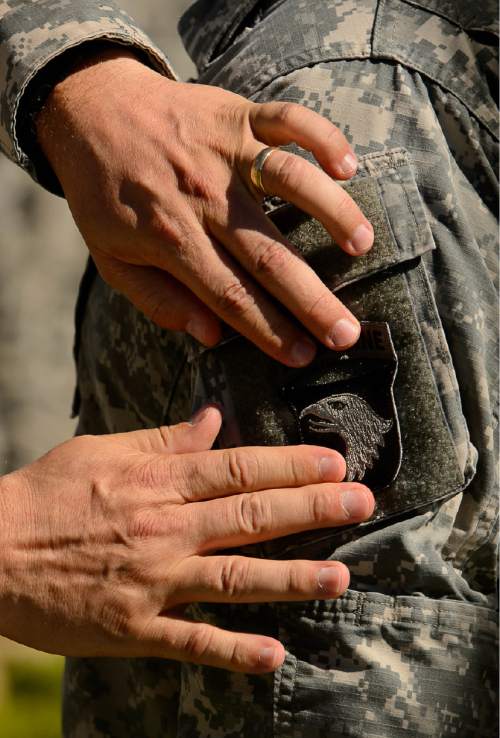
(377, 403)
(386, 191)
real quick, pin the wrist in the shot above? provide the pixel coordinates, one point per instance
(71, 95)
(12, 501)
(17, 519)
(9, 491)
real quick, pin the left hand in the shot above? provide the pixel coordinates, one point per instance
(106, 539)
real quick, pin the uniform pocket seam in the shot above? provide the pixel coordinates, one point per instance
(429, 301)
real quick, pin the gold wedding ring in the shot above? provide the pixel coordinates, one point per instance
(258, 166)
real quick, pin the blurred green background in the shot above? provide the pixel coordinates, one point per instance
(41, 261)
(30, 693)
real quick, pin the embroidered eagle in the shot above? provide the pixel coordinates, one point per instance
(359, 426)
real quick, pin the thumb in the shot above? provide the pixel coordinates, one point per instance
(198, 435)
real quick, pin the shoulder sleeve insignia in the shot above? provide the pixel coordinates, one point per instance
(345, 401)
(359, 427)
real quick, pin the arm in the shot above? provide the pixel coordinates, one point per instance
(157, 176)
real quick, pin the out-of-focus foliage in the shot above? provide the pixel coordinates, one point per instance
(31, 704)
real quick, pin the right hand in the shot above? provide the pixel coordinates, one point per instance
(104, 540)
(157, 176)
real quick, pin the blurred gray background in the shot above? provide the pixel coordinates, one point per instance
(41, 260)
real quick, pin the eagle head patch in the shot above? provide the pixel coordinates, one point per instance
(360, 428)
(346, 402)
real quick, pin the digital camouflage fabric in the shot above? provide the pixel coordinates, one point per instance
(410, 650)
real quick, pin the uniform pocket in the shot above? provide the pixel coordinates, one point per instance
(386, 667)
(391, 404)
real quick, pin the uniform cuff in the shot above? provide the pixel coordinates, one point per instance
(33, 35)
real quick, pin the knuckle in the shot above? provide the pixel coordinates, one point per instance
(196, 185)
(236, 654)
(301, 469)
(165, 435)
(150, 521)
(198, 643)
(151, 472)
(143, 525)
(242, 469)
(321, 507)
(117, 616)
(294, 579)
(234, 300)
(217, 205)
(253, 514)
(233, 577)
(271, 258)
(286, 111)
(291, 171)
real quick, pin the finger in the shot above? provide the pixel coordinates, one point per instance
(211, 273)
(197, 477)
(259, 246)
(278, 124)
(262, 516)
(162, 299)
(201, 643)
(296, 180)
(184, 438)
(243, 579)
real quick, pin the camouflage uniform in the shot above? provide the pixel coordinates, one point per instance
(410, 649)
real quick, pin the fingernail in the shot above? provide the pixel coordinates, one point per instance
(329, 468)
(355, 504)
(331, 579)
(345, 333)
(362, 239)
(196, 328)
(303, 352)
(349, 164)
(267, 657)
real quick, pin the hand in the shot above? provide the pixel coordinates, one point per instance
(105, 539)
(157, 175)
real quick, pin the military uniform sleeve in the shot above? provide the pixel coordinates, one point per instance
(34, 36)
